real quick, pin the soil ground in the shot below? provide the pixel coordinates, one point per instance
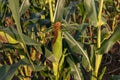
(112, 61)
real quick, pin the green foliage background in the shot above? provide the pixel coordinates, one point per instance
(89, 28)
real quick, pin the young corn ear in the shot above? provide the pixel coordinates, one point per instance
(57, 48)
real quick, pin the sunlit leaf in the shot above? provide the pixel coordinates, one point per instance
(15, 36)
(6, 38)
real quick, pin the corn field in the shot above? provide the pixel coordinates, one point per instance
(59, 39)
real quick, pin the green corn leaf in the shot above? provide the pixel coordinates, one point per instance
(75, 70)
(102, 73)
(107, 44)
(14, 6)
(9, 71)
(4, 69)
(58, 15)
(12, 36)
(91, 11)
(62, 61)
(76, 47)
(28, 41)
(115, 77)
(24, 6)
(49, 55)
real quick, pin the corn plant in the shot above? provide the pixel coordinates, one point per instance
(56, 39)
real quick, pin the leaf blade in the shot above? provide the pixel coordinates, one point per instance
(74, 43)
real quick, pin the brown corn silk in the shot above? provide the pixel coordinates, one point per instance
(57, 27)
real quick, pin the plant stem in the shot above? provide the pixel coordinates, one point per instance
(10, 59)
(84, 16)
(98, 55)
(100, 10)
(51, 11)
(21, 72)
(99, 37)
